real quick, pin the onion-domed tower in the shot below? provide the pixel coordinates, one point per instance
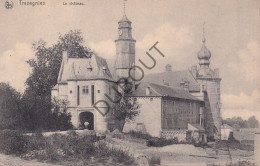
(210, 86)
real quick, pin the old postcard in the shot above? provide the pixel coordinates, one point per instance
(129, 82)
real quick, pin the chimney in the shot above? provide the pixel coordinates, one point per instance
(186, 85)
(168, 67)
(65, 56)
(194, 71)
(182, 84)
(148, 91)
(166, 83)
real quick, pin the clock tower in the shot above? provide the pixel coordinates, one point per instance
(125, 49)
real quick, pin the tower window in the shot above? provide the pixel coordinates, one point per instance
(78, 95)
(92, 94)
(109, 89)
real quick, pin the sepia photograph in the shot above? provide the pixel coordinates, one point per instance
(130, 83)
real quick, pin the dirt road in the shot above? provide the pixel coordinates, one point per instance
(182, 154)
(8, 160)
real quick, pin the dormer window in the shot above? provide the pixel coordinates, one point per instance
(89, 68)
(104, 69)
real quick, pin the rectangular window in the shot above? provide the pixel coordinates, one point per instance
(92, 94)
(85, 90)
(169, 124)
(109, 89)
(78, 95)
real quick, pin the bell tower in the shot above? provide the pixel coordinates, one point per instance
(125, 48)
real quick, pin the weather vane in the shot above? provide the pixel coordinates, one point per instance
(124, 5)
(204, 39)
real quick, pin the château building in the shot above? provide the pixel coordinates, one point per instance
(172, 104)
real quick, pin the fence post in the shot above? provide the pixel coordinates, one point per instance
(257, 148)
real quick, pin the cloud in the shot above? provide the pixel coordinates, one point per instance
(106, 48)
(241, 105)
(248, 63)
(13, 67)
(173, 43)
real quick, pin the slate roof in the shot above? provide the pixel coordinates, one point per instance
(84, 69)
(197, 126)
(163, 91)
(173, 79)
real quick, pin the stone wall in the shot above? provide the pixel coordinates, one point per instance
(170, 134)
(149, 118)
(212, 105)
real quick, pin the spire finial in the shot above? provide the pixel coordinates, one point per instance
(124, 6)
(204, 39)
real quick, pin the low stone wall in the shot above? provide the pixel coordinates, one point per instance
(170, 134)
(243, 135)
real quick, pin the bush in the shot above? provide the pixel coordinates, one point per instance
(117, 155)
(234, 144)
(35, 142)
(118, 136)
(154, 161)
(58, 147)
(138, 134)
(12, 142)
(159, 142)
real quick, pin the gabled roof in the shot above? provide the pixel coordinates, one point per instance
(226, 126)
(173, 79)
(89, 68)
(163, 91)
(196, 126)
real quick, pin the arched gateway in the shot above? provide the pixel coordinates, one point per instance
(86, 120)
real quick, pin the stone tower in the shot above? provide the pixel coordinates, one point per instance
(125, 48)
(210, 85)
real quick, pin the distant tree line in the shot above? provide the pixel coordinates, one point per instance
(238, 122)
(34, 110)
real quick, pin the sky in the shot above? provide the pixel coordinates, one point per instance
(232, 31)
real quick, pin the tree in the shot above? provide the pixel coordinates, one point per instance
(124, 111)
(236, 122)
(46, 66)
(10, 115)
(60, 117)
(127, 108)
(37, 105)
(252, 122)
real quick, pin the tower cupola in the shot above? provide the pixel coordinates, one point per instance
(204, 54)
